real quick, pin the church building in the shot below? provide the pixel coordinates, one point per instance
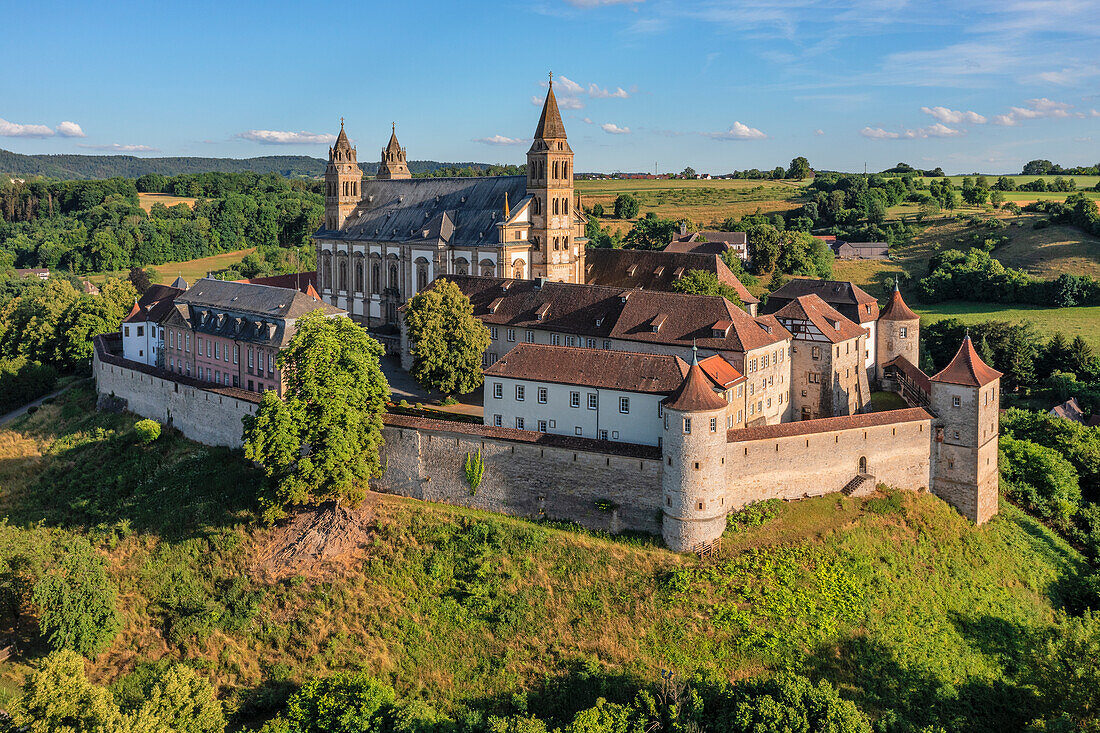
(386, 239)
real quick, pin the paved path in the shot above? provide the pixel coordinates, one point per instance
(5, 419)
(404, 387)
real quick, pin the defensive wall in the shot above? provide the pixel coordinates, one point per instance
(601, 485)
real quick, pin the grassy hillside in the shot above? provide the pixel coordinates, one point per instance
(897, 599)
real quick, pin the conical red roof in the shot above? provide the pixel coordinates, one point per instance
(896, 309)
(696, 392)
(550, 124)
(967, 368)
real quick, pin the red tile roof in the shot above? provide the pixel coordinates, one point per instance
(824, 317)
(897, 310)
(967, 368)
(604, 312)
(622, 370)
(911, 371)
(695, 393)
(305, 282)
(154, 305)
(828, 424)
(721, 371)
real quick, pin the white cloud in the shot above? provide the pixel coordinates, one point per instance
(737, 131)
(568, 87)
(614, 129)
(936, 130)
(284, 137)
(117, 148)
(587, 120)
(14, 129)
(598, 3)
(596, 93)
(70, 129)
(499, 140)
(953, 117)
(1035, 109)
(819, 133)
(1094, 113)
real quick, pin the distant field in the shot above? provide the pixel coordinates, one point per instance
(148, 199)
(703, 202)
(1082, 181)
(191, 270)
(1081, 321)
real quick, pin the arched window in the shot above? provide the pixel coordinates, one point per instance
(536, 206)
(487, 268)
(343, 274)
(555, 169)
(565, 206)
(565, 171)
(517, 269)
(376, 278)
(421, 276)
(555, 207)
(393, 277)
(565, 242)
(359, 276)
(328, 270)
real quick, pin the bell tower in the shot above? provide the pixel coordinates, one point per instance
(342, 180)
(557, 243)
(394, 164)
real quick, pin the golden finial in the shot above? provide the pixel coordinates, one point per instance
(506, 207)
(341, 123)
(394, 126)
(551, 78)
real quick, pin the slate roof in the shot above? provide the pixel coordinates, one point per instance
(896, 309)
(631, 315)
(452, 211)
(846, 297)
(305, 282)
(154, 305)
(620, 370)
(824, 317)
(967, 368)
(655, 270)
(828, 424)
(1070, 410)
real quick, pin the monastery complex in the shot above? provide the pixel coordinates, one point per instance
(609, 399)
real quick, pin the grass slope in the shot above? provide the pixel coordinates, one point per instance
(911, 610)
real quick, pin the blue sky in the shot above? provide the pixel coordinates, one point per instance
(715, 84)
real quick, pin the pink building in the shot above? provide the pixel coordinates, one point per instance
(229, 333)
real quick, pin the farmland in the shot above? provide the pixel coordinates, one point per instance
(190, 270)
(146, 200)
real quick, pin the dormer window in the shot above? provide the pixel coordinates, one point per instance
(721, 329)
(543, 311)
(659, 271)
(836, 325)
(631, 270)
(506, 284)
(678, 273)
(495, 304)
(658, 321)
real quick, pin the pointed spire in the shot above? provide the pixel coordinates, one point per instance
(550, 125)
(342, 139)
(696, 392)
(896, 309)
(507, 209)
(694, 353)
(967, 368)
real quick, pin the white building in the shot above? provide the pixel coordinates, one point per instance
(142, 334)
(593, 393)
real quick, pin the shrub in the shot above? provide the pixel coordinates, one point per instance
(753, 515)
(343, 702)
(786, 703)
(475, 470)
(147, 431)
(76, 603)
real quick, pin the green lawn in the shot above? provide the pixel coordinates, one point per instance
(1080, 321)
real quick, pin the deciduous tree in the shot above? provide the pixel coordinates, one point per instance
(321, 440)
(701, 282)
(447, 341)
(77, 602)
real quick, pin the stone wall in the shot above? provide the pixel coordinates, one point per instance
(533, 475)
(205, 416)
(818, 457)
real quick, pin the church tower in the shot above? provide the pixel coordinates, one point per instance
(557, 243)
(394, 164)
(342, 179)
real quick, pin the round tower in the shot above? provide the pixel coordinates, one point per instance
(898, 334)
(342, 179)
(693, 450)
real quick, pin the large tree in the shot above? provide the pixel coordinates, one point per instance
(626, 206)
(77, 602)
(701, 282)
(447, 342)
(800, 168)
(321, 440)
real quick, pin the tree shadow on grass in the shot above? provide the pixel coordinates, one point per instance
(905, 698)
(96, 475)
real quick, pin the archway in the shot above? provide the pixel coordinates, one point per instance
(863, 464)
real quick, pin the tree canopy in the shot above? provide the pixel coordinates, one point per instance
(446, 340)
(701, 282)
(320, 441)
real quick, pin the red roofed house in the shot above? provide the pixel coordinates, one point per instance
(606, 395)
(828, 377)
